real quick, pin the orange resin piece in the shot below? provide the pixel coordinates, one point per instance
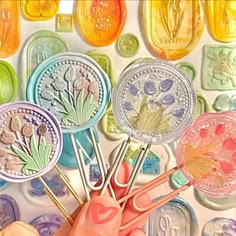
(101, 21)
(221, 16)
(9, 27)
(172, 27)
(39, 9)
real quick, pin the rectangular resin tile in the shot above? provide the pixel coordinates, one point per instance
(64, 23)
(219, 67)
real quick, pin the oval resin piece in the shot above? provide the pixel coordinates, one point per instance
(172, 28)
(221, 17)
(30, 141)
(39, 10)
(206, 153)
(9, 27)
(101, 21)
(8, 83)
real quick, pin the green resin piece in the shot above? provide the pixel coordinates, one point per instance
(105, 62)
(219, 68)
(110, 127)
(202, 105)
(224, 102)
(127, 45)
(64, 23)
(8, 83)
(188, 69)
(177, 179)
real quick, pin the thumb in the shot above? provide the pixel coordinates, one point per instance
(101, 216)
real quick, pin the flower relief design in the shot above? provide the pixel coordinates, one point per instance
(158, 105)
(172, 17)
(223, 66)
(74, 96)
(203, 159)
(23, 145)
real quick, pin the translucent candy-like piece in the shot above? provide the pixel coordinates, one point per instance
(39, 10)
(221, 15)
(172, 28)
(101, 21)
(9, 27)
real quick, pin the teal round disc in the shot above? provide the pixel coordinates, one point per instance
(68, 158)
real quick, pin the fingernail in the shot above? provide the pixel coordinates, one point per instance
(103, 216)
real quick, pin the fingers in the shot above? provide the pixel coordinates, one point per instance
(20, 229)
(99, 217)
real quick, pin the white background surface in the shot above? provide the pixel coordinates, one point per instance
(28, 209)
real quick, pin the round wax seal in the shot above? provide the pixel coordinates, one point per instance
(153, 101)
(30, 141)
(72, 87)
(206, 153)
(47, 224)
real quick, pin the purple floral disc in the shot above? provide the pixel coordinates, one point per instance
(9, 211)
(47, 224)
(30, 141)
(153, 101)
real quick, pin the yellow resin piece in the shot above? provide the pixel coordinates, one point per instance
(101, 21)
(172, 27)
(64, 23)
(221, 15)
(37, 10)
(9, 27)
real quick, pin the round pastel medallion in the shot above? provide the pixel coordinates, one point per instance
(47, 224)
(72, 87)
(30, 141)
(153, 101)
(206, 153)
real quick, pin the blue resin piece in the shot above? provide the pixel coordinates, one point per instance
(67, 158)
(94, 173)
(176, 217)
(2, 183)
(178, 179)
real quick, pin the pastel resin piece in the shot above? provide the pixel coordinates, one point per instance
(9, 27)
(39, 10)
(219, 67)
(64, 23)
(110, 127)
(47, 224)
(3, 184)
(202, 105)
(9, 211)
(8, 83)
(225, 102)
(221, 19)
(176, 217)
(30, 141)
(100, 21)
(178, 180)
(153, 101)
(105, 62)
(216, 204)
(38, 47)
(172, 28)
(94, 173)
(188, 69)
(220, 226)
(67, 157)
(127, 45)
(73, 88)
(206, 153)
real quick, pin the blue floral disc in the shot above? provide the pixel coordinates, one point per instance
(153, 101)
(72, 87)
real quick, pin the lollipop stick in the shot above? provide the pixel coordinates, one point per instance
(79, 158)
(117, 163)
(68, 185)
(58, 203)
(101, 161)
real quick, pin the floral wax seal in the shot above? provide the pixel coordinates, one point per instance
(47, 224)
(30, 141)
(206, 153)
(71, 86)
(153, 101)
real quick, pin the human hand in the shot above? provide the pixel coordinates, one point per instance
(101, 216)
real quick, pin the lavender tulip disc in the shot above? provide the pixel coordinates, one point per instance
(153, 101)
